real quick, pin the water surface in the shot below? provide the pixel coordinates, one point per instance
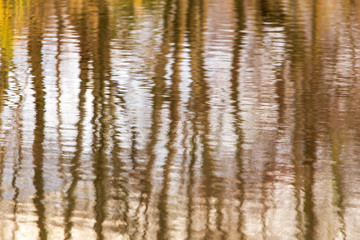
(179, 119)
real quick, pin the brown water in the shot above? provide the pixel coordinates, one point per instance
(179, 119)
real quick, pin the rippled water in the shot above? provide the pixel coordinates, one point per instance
(179, 119)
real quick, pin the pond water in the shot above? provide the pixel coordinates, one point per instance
(179, 119)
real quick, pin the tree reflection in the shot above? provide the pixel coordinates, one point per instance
(181, 119)
(35, 59)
